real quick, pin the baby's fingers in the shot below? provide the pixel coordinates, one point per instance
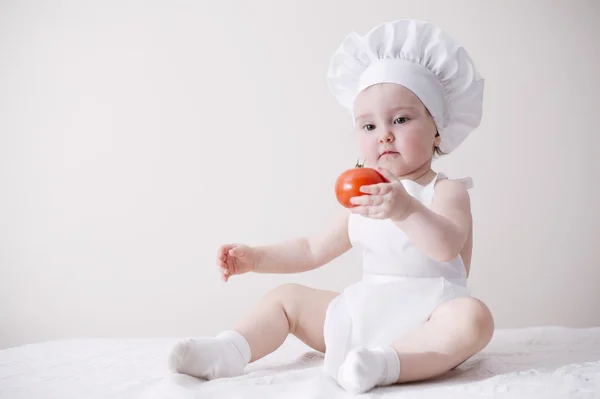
(376, 189)
(221, 258)
(223, 261)
(224, 249)
(360, 210)
(369, 211)
(225, 273)
(366, 200)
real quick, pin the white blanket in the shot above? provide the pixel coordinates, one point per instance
(547, 362)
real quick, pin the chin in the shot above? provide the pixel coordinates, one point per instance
(396, 167)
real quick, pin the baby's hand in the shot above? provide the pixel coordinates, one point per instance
(235, 259)
(386, 200)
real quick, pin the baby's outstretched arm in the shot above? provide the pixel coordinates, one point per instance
(442, 230)
(293, 256)
(306, 253)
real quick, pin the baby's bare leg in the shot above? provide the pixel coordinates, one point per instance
(455, 331)
(290, 308)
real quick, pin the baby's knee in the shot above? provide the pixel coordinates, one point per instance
(289, 298)
(471, 320)
(286, 292)
(287, 295)
(477, 321)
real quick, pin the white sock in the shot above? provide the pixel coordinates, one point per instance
(226, 355)
(364, 369)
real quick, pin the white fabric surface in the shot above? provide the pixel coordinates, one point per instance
(549, 362)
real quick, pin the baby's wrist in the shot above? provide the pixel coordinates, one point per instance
(405, 212)
(257, 258)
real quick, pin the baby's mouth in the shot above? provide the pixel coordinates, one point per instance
(388, 153)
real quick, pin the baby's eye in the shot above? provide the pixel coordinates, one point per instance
(401, 120)
(368, 127)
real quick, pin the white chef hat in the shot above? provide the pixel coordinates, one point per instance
(421, 57)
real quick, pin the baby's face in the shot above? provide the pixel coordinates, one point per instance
(394, 129)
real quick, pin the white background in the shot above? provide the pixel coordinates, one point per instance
(137, 136)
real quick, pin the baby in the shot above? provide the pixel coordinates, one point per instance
(414, 95)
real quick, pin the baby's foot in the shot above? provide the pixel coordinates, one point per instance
(223, 356)
(364, 369)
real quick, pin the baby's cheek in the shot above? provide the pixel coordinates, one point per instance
(415, 144)
(368, 149)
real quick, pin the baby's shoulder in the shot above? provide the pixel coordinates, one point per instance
(462, 184)
(466, 182)
(447, 189)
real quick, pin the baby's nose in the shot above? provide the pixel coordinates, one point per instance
(387, 138)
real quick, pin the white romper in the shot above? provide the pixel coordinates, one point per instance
(399, 290)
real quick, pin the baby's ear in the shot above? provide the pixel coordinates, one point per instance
(438, 140)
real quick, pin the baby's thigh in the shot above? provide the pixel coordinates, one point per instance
(305, 308)
(468, 312)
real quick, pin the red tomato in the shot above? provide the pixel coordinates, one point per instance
(348, 183)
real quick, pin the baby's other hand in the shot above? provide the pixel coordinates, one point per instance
(235, 259)
(388, 200)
